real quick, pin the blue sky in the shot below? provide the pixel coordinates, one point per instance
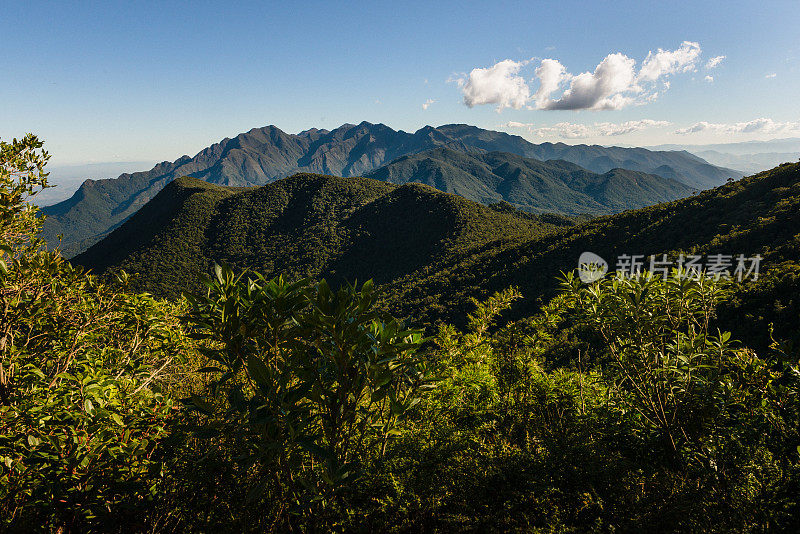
(124, 81)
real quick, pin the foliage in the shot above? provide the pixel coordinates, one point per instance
(618, 406)
(316, 379)
(756, 215)
(658, 422)
(447, 250)
(81, 414)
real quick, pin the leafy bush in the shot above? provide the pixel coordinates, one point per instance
(315, 379)
(81, 414)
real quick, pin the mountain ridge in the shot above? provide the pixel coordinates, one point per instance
(262, 155)
(529, 184)
(303, 225)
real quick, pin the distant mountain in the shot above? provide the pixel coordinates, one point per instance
(749, 163)
(530, 184)
(263, 155)
(749, 156)
(787, 145)
(305, 225)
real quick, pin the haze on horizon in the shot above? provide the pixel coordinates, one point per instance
(117, 82)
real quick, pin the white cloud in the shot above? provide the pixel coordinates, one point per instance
(569, 130)
(665, 62)
(601, 89)
(762, 125)
(614, 84)
(515, 124)
(500, 84)
(709, 78)
(457, 78)
(428, 103)
(564, 130)
(771, 75)
(714, 62)
(550, 73)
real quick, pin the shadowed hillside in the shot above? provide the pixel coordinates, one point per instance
(759, 214)
(305, 225)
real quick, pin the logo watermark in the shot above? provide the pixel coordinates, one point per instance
(592, 267)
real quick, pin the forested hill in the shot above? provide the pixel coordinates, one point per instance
(759, 214)
(530, 184)
(433, 251)
(344, 229)
(266, 154)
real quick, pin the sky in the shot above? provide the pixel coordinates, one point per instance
(138, 81)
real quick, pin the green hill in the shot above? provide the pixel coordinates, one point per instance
(263, 155)
(305, 225)
(759, 214)
(530, 184)
(432, 251)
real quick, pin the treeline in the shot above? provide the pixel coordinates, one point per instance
(290, 405)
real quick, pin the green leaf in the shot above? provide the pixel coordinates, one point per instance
(258, 370)
(117, 419)
(315, 450)
(396, 408)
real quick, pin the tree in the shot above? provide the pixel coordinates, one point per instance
(314, 379)
(81, 414)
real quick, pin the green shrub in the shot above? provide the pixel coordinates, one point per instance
(314, 380)
(81, 414)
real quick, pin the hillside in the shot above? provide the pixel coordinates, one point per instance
(433, 251)
(263, 155)
(305, 225)
(759, 214)
(530, 184)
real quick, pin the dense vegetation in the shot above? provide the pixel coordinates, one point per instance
(306, 225)
(432, 252)
(530, 184)
(759, 214)
(263, 155)
(276, 404)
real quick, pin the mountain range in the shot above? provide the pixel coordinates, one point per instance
(749, 163)
(748, 156)
(263, 155)
(530, 184)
